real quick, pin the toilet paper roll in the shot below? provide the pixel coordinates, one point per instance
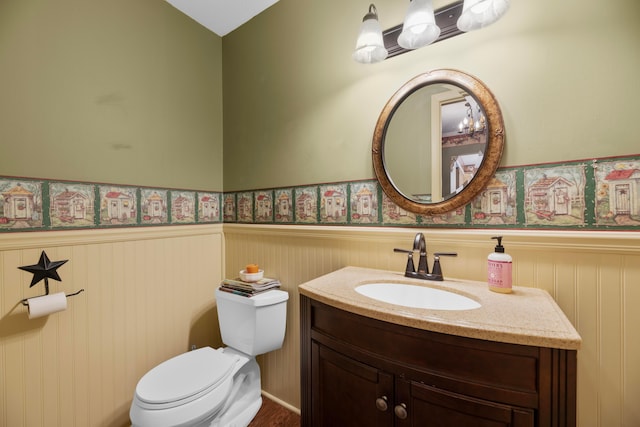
(47, 304)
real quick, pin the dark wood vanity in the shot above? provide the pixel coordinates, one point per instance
(359, 370)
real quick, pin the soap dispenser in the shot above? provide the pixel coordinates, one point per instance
(499, 269)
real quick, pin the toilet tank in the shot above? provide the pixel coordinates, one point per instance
(253, 325)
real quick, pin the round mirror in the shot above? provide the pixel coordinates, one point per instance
(438, 142)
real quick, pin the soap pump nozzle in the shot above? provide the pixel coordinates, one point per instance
(499, 248)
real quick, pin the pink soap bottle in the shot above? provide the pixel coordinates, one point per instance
(499, 269)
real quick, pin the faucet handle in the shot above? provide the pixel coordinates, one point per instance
(437, 269)
(409, 268)
(445, 254)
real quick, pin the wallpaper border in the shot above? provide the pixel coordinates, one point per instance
(28, 204)
(593, 194)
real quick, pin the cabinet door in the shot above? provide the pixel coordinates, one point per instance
(431, 407)
(348, 393)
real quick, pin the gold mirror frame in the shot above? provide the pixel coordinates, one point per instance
(492, 154)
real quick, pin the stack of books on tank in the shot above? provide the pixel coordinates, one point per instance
(248, 289)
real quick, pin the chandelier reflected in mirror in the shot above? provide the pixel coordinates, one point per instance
(472, 123)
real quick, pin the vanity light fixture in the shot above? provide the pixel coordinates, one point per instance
(370, 46)
(480, 13)
(422, 26)
(419, 27)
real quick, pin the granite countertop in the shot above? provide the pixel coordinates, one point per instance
(527, 316)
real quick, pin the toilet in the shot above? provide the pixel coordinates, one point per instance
(215, 387)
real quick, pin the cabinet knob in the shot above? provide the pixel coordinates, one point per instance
(381, 403)
(401, 411)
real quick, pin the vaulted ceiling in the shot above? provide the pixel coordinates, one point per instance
(221, 16)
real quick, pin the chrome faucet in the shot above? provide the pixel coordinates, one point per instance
(420, 246)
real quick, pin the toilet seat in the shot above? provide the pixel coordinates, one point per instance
(185, 378)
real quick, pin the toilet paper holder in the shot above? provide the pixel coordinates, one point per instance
(45, 270)
(25, 301)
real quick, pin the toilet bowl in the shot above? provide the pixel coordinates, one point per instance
(215, 387)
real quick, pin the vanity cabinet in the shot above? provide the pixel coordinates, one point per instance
(359, 371)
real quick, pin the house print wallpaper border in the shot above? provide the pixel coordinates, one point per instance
(595, 194)
(28, 204)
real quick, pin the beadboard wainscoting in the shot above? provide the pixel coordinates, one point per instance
(149, 295)
(593, 276)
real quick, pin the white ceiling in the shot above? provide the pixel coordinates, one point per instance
(221, 16)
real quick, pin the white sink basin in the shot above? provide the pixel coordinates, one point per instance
(416, 296)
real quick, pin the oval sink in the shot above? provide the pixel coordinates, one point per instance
(416, 296)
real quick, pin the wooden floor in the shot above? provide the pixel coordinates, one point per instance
(272, 414)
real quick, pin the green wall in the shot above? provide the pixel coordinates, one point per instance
(131, 92)
(115, 91)
(298, 110)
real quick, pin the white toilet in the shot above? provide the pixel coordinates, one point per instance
(215, 387)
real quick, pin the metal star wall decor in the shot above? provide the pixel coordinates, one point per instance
(44, 269)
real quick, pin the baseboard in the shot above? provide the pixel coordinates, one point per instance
(281, 402)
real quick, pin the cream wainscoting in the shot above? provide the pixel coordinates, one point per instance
(594, 277)
(148, 296)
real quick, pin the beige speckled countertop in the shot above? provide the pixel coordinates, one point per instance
(527, 316)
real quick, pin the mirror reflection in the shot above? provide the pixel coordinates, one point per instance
(435, 143)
